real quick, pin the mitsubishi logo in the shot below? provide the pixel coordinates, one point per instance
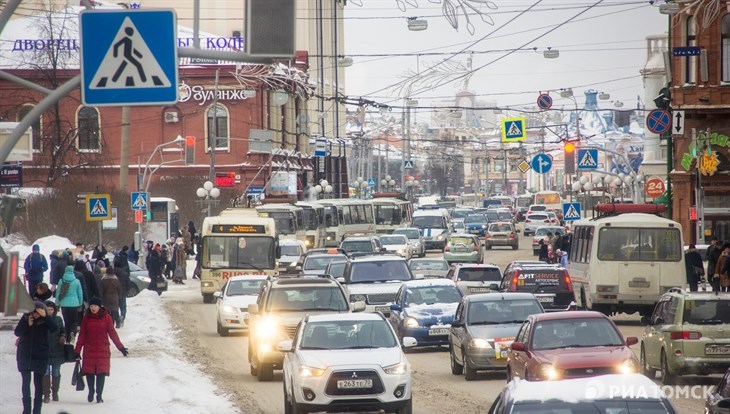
(589, 371)
(354, 375)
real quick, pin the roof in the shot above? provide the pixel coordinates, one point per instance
(627, 386)
(630, 219)
(407, 228)
(306, 280)
(359, 316)
(379, 258)
(429, 282)
(462, 235)
(291, 242)
(699, 295)
(478, 265)
(248, 277)
(427, 259)
(568, 315)
(358, 238)
(488, 297)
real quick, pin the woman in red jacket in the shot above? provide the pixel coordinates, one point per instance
(96, 329)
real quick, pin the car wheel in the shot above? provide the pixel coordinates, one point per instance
(221, 330)
(645, 368)
(456, 368)
(208, 298)
(515, 246)
(132, 291)
(266, 372)
(668, 378)
(406, 409)
(469, 373)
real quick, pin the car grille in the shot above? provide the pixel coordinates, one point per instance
(588, 372)
(244, 310)
(332, 389)
(377, 298)
(290, 330)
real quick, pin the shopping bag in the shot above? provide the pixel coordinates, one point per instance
(68, 353)
(77, 378)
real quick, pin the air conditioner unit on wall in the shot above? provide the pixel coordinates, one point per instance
(171, 117)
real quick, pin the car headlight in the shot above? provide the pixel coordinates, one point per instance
(357, 298)
(229, 309)
(144, 279)
(310, 371)
(484, 226)
(479, 343)
(330, 236)
(401, 252)
(628, 367)
(410, 322)
(397, 369)
(308, 243)
(440, 237)
(549, 372)
(267, 328)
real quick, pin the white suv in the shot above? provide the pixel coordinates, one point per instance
(375, 280)
(346, 362)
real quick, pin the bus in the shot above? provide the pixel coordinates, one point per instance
(469, 200)
(289, 219)
(504, 200)
(314, 224)
(549, 198)
(524, 201)
(237, 243)
(164, 222)
(589, 199)
(391, 213)
(345, 216)
(626, 259)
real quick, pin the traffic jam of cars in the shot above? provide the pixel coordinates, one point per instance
(340, 321)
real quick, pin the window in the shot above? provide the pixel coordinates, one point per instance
(639, 244)
(218, 126)
(35, 126)
(690, 74)
(725, 52)
(87, 121)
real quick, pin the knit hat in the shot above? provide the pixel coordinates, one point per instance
(36, 248)
(100, 263)
(95, 301)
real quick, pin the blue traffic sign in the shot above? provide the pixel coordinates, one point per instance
(139, 200)
(542, 163)
(371, 182)
(571, 211)
(587, 159)
(98, 207)
(320, 147)
(686, 51)
(128, 57)
(407, 165)
(659, 121)
(544, 101)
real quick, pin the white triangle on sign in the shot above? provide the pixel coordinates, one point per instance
(139, 202)
(514, 130)
(572, 213)
(129, 63)
(98, 209)
(587, 160)
(408, 164)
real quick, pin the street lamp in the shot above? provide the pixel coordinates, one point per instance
(208, 194)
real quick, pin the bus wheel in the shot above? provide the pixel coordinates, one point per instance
(207, 298)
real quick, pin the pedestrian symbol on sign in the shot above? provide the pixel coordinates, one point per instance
(571, 211)
(514, 130)
(98, 209)
(587, 159)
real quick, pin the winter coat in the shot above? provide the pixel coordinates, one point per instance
(713, 255)
(92, 289)
(33, 351)
(74, 297)
(111, 290)
(181, 257)
(35, 265)
(58, 270)
(93, 339)
(43, 297)
(122, 260)
(55, 348)
(99, 254)
(123, 277)
(154, 263)
(99, 272)
(692, 260)
(720, 269)
(84, 289)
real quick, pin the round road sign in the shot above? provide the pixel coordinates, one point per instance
(654, 187)
(659, 121)
(544, 101)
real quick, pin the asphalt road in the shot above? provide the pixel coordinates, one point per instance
(436, 390)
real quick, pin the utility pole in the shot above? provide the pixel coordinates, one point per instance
(213, 139)
(124, 151)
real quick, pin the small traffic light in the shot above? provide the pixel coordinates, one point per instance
(693, 213)
(148, 215)
(569, 156)
(189, 150)
(569, 147)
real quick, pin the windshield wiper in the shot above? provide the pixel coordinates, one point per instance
(515, 321)
(485, 323)
(322, 309)
(251, 266)
(315, 348)
(358, 347)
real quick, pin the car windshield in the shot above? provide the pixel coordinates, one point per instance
(429, 295)
(307, 298)
(336, 269)
(492, 216)
(321, 262)
(290, 251)
(538, 208)
(479, 274)
(541, 280)
(706, 312)
(575, 333)
(426, 222)
(329, 335)
(244, 252)
(501, 311)
(429, 265)
(397, 239)
(379, 271)
(543, 231)
(537, 217)
(461, 240)
(410, 233)
(500, 227)
(503, 215)
(357, 246)
(475, 218)
(243, 287)
(460, 214)
(591, 407)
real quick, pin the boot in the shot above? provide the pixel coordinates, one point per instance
(90, 384)
(46, 388)
(55, 385)
(99, 388)
(27, 408)
(37, 405)
(121, 321)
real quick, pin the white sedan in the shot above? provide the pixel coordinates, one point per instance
(233, 300)
(398, 244)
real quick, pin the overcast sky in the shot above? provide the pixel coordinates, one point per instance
(604, 44)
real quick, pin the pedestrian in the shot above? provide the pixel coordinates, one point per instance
(56, 341)
(181, 261)
(165, 255)
(96, 329)
(133, 254)
(694, 268)
(720, 276)
(543, 251)
(33, 353)
(124, 281)
(562, 257)
(192, 231)
(111, 291)
(198, 259)
(99, 270)
(99, 253)
(187, 240)
(35, 265)
(154, 266)
(69, 298)
(58, 269)
(88, 282)
(42, 292)
(143, 254)
(714, 250)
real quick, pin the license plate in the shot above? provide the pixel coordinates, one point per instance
(478, 290)
(439, 331)
(350, 384)
(639, 284)
(384, 309)
(547, 299)
(161, 284)
(717, 350)
(474, 231)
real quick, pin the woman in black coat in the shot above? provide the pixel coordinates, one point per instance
(33, 353)
(694, 267)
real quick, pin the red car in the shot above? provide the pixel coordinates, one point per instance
(555, 346)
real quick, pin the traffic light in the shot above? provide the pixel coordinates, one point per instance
(569, 147)
(189, 150)
(148, 215)
(14, 298)
(569, 156)
(10, 205)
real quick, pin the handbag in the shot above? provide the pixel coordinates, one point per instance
(77, 378)
(699, 271)
(68, 353)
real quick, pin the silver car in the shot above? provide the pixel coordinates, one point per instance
(415, 239)
(429, 268)
(535, 220)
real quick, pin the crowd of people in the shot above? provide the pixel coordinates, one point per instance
(554, 248)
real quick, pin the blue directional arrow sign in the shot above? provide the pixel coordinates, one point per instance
(587, 159)
(542, 163)
(128, 57)
(371, 182)
(139, 200)
(571, 211)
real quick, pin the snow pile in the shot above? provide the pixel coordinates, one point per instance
(47, 245)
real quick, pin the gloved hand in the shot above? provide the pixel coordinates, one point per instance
(78, 356)
(125, 352)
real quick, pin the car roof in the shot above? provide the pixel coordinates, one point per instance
(488, 297)
(477, 265)
(500, 222)
(378, 258)
(303, 280)
(462, 235)
(290, 242)
(320, 255)
(427, 259)
(697, 295)
(429, 282)
(358, 238)
(407, 228)
(359, 316)
(248, 277)
(568, 315)
(614, 386)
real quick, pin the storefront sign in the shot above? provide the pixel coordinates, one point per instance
(11, 176)
(202, 94)
(709, 163)
(705, 140)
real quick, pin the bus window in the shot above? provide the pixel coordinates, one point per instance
(285, 223)
(330, 216)
(346, 215)
(238, 252)
(642, 244)
(368, 214)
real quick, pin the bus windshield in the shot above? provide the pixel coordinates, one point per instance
(285, 223)
(387, 214)
(433, 222)
(330, 216)
(246, 252)
(311, 221)
(639, 244)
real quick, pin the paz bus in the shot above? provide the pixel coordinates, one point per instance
(314, 224)
(391, 213)
(289, 219)
(345, 216)
(625, 259)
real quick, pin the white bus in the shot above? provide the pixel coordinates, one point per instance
(236, 244)
(289, 220)
(314, 224)
(345, 216)
(524, 201)
(626, 259)
(164, 220)
(391, 213)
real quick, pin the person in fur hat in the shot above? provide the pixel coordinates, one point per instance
(52, 379)
(33, 353)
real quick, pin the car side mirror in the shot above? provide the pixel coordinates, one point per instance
(456, 324)
(724, 403)
(253, 309)
(395, 307)
(645, 320)
(631, 340)
(358, 306)
(409, 342)
(494, 286)
(297, 268)
(340, 279)
(218, 294)
(418, 276)
(518, 346)
(284, 346)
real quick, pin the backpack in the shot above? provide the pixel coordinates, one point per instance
(36, 262)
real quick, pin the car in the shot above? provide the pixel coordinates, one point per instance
(418, 246)
(292, 253)
(346, 363)
(520, 263)
(483, 329)
(429, 268)
(686, 335)
(397, 244)
(535, 220)
(463, 248)
(360, 244)
(280, 306)
(502, 233)
(140, 280)
(553, 217)
(718, 400)
(458, 227)
(476, 224)
(534, 208)
(375, 280)
(504, 214)
(541, 234)
(424, 309)
(550, 283)
(563, 345)
(317, 263)
(619, 394)
(458, 214)
(232, 302)
(336, 268)
(476, 278)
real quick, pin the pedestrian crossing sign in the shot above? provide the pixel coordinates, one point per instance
(571, 211)
(513, 129)
(98, 207)
(139, 200)
(128, 57)
(587, 159)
